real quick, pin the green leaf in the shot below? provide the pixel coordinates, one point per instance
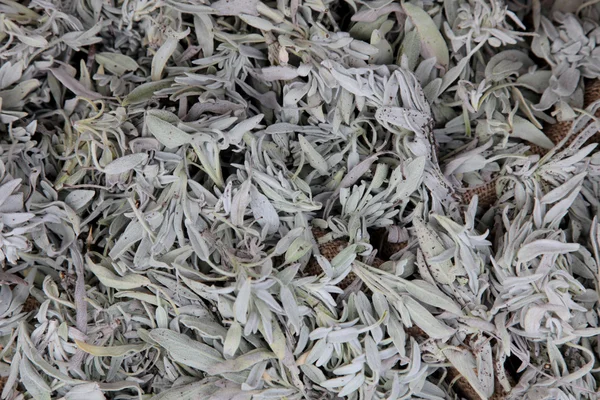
(424, 320)
(33, 382)
(185, 350)
(523, 129)
(166, 50)
(242, 362)
(169, 135)
(315, 159)
(116, 63)
(430, 294)
(110, 351)
(297, 250)
(110, 279)
(432, 41)
(145, 91)
(125, 163)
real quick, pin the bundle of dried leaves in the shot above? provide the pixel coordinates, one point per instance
(299, 199)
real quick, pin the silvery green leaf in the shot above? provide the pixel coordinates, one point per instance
(372, 353)
(371, 14)
(325, 265)
(278, 73)
(13, 374)
(195, 390)
(474, 162)
(363, 30)
(485, 368)
(313, 373)
(78, 199)
(410, 49)
(110, 351)
(125, 163)
(344, 258)
(6, 296)
(78, 39)
(110, 279)
(199, 244)
(255, 376)
(537, 80)
(12, 98)
(116, 63)
(432, 89)
(523, 129)
(424, 320)
(287, 275)
(74, 85)
(353, 385)
(432, 246)
(7, 189)
(243, 362)
(85, 391)
(465, 363)
(203, 25)
(290, 307)
(452, 75)
(412, 120)
(161, 316)
(33, 382)
(242, 302)
(358, 171)
(385, 52)
(28, 39)
(563, 190)
(567, 82)
(235, 134)
(266, 320)
(166, 133)
(430, 294)
(314, 158)
(297, 249)
(165, 52)
(145, 91)
(120, 386)
(555, 215)
(321, 353)
(236, 7)
(432, 41)
(239, 203)
(257, 22)
(346, 82)
(205, 327)
(263, 211)
(232, 340)
(363, 47)
(134, 232)
(540, 247)
(47, 368)
(185, 350)
(337, 382)
(415, 170)
(286, 241)
(343, 335)
(268, 300)
(349, 369)
(11, 73)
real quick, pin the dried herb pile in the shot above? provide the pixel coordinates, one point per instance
(303, 199)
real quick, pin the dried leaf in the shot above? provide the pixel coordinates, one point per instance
(432, 41)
